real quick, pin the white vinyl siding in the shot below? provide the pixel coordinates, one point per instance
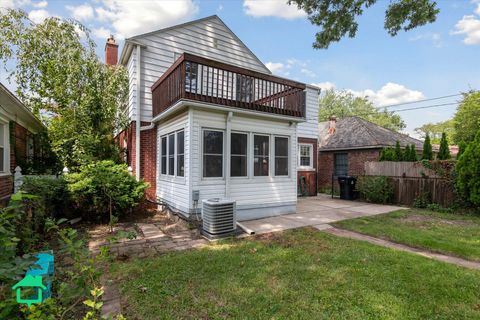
(309, 128)
(250, 190)
(174, 189)
(208, 38)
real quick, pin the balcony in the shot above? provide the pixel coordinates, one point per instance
(199, 79)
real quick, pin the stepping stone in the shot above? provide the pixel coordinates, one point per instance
(150, 231)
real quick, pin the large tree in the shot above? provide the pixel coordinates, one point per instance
(435, 130)
(343, 104)
(467, 118)
(59, 74)
(338, 18)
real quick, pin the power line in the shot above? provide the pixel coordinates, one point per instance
(419, 101)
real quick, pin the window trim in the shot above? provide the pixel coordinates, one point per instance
(270, 146)
(247, 159)
(275, 155)
(6, 148)
(335, 162)
(166, 176)
(202, 148)
(174, 155)
(300, 167)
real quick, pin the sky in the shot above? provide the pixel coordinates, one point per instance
(440, 59)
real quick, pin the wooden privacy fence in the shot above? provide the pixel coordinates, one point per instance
(411, 180)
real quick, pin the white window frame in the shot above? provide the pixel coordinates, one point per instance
(247, 176)
(275, 155)
(223, 153)
(310, 167)
(270, 151)
(6, 148)
(175, 155)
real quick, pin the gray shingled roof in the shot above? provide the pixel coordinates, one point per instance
(357, 133)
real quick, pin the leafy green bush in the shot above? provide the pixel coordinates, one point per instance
(427, 149)
(467, 173)
(375, 188)
(104, 189)
(388, 154)
(422, 200)
(52, 192)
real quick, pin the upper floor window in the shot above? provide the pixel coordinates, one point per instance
(212, 153)
(238, 164)
(261, 151)
(281, 156)
(306, 155)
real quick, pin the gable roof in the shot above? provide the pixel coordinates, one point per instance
(358, 133)
(126, 51)
(13, 109)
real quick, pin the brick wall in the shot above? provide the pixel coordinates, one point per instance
(6, 187)
(148, 159)
(356, 164)
(310, 175)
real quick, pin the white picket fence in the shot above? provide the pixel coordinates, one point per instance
(19, 178)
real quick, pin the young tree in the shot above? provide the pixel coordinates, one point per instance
(344, 104)
(468, 167)
(435, 130)
(338, 18)
(398, 152)
(444, 151)
(427, 149)
(467, 118)
(461, 149)
(58, 73)
(413, 153)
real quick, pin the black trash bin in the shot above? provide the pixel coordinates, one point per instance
(347, 187)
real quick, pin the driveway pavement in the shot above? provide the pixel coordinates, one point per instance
(318, 212)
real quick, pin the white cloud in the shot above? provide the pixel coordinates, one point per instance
(101, 33)
(6, 4)
(275, 67)
(391, 93)
(436, 38)
(308, 72)
(37, 16)
(41, 4)
(477, 11)
(82, 12)
(272, 8)
(327, 85)
(133, 18)
(470, 27)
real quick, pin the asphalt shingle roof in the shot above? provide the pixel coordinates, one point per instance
(358, 133)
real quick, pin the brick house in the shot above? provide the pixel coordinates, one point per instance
(207, 118)
(18, 129)
(347, 143)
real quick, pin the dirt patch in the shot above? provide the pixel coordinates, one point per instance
(416, 218)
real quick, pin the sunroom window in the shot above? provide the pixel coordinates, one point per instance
(212, 153)
(261, 148)
(238, 165)
(281, 156)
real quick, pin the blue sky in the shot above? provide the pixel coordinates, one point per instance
(431, 61)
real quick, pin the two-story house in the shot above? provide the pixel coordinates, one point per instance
(208, 118)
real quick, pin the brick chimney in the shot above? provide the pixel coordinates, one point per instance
(332, 125)
(111, 51)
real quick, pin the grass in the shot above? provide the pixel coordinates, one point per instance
(298, 274)
(447, 233)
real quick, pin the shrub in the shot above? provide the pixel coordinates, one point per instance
(52, 192)
(444, 151)
(104, 189)
(467, 173)
(398, 152)
(427, 149)
(375, 188)
(387, 154)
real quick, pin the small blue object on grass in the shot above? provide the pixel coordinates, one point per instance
(39, 277)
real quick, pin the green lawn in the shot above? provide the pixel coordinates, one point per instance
(299, 274)
(447, 233)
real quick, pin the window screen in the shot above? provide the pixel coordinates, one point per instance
(305, 156)
(261, 147)
(341, 164)
(281, 156)
(238, 164)
(171, 155)
(180, 153)
(212, 153)
(164, 156)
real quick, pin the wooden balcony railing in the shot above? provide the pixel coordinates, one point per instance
(200, 79)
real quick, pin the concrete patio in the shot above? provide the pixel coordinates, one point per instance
(318, 212)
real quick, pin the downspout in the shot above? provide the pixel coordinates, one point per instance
(229, 148)
(138, 113)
